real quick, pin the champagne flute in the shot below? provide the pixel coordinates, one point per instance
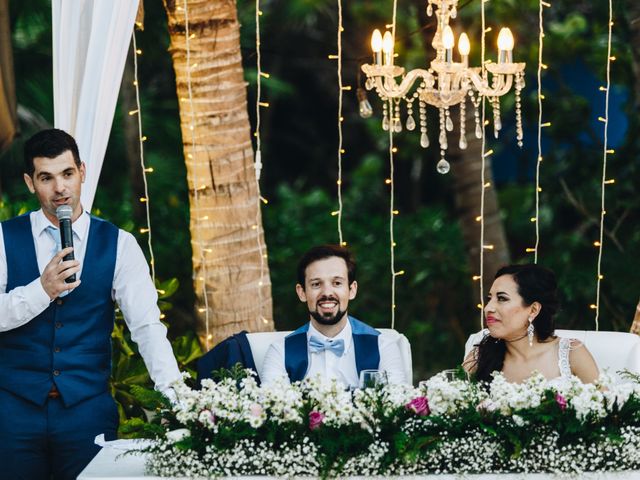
(372, 378)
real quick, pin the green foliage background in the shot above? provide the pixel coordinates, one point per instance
(435, 305)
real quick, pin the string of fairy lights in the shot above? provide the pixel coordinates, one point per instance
(541, 66)
(483, 158)
(340, 121)
(605, 153)
(190, 157)
(392, 209)
(145, 169)
(258, 161)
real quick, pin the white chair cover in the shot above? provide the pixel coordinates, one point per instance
(612, 351)
(90, 43)
(260, 342)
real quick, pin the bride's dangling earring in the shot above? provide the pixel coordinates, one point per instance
(530, 330)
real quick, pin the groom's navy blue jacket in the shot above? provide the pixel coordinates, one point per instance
(226, 354)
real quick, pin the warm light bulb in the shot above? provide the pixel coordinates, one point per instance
(376, 41)
(505, 39)
(387, 42)
(447, 38)
(463, 44)
(364, 107)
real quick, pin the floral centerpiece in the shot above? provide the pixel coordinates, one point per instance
(315, 428)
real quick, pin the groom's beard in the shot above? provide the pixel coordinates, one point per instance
(330, 319)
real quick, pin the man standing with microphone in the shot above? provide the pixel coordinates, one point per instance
(56, 319)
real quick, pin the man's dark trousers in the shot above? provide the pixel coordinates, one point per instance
(35, 440)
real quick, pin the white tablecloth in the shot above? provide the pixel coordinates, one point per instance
(110, 464)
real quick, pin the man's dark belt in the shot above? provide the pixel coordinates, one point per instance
(53, 393)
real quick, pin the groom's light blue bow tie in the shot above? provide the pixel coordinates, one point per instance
(318, 345)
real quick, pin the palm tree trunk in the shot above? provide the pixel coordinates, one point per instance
(9, 127)
(229, 256)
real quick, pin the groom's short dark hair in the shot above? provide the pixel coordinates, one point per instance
(321, 252)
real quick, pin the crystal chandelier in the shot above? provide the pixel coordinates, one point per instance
(446, 83)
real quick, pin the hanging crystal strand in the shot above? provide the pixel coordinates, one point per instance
(424, 137)
(429, 10)
(385, 115)
(411, 123)
(442, 139)
(397, 124)
(497, 123)
(476, 113)
(463, 124)
(519, 87)
(448, 122)
(443, 166)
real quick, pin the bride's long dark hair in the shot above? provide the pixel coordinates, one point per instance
(535, 284)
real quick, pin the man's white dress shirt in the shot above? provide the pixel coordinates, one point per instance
(132, 290)
(328, 365)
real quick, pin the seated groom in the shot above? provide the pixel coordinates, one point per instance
(332, 344)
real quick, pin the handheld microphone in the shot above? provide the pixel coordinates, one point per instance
(63, 212)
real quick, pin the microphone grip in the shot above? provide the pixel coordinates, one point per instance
(66, 240)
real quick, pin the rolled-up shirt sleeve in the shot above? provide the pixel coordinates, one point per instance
(136, 295)
(21, 304)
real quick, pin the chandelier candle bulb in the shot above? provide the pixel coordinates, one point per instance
(376, 46)
(464, 47)
(505, 46)
(448, 41)
(387, 48)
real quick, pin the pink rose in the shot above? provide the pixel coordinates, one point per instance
(561, 401)
(419, 406)
(315, 420)
(256, 410)
(207, 415)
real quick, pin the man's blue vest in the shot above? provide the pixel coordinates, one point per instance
(365, 343)
(69, 343)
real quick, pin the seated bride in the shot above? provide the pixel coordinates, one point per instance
(519, 315)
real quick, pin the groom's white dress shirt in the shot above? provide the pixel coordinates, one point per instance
(328, 365)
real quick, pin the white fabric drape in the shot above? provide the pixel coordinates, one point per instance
(90, 43)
